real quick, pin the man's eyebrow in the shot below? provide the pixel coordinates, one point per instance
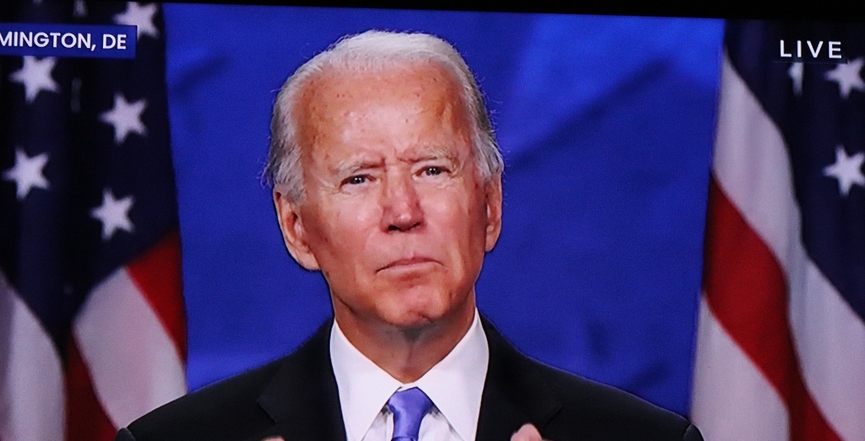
(354, 165)
(430, 155)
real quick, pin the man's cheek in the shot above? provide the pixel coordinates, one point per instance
(361, 213)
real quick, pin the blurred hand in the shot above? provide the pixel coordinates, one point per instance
(274, 438)
(527, 433)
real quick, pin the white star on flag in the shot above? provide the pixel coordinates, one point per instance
(35, 75)
(27, 173)
(795, 73)
(847, 76)
(140, 17)
(80, 9)
(846, 169)
(125, 117)
(113, 213)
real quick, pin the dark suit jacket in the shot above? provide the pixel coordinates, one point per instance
(296, 397)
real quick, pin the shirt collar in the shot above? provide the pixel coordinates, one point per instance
(455, 384)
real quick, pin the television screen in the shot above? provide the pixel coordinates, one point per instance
(127, 150)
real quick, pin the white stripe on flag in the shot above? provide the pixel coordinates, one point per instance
(830, 340)
(732, 399)
(31, 383)
(133, 362)
(752, 166)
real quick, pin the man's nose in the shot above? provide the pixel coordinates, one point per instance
(401, 204)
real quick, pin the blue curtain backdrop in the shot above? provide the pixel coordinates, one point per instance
(606, 124)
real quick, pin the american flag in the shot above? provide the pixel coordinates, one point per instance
(781, 340)
(92, 324)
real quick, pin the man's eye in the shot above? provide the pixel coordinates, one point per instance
(355, 180)
(433, 171)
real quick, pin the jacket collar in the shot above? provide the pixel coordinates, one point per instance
(303, 400)
(302, 397)
(514, 392)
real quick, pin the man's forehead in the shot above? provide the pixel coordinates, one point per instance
(344, 82)
(339, 97)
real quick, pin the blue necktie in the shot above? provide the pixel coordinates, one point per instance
(409, 407)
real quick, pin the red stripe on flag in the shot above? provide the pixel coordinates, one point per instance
(157, 275)
(747, 292)
(85, 418)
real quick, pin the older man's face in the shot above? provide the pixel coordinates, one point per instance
(396, 214)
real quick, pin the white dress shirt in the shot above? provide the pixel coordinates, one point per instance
(454, 385)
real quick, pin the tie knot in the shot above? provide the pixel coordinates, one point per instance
(409, 407)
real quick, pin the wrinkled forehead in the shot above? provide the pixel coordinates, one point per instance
(336, 95)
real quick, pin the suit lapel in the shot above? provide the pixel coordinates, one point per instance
(303, 400)
(513, 392)
(302, 397)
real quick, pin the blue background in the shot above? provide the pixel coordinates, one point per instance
(606, 124)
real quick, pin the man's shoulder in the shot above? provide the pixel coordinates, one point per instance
(611, 409)
(564, 404)
(212, 412)
(243, 406)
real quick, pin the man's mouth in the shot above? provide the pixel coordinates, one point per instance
(407, 262)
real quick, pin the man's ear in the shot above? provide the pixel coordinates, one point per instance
(291, 224)
(493, 191)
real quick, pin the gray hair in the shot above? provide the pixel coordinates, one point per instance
(373, 50)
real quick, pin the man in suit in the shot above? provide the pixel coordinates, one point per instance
(387, 179)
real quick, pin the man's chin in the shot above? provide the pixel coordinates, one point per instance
(426, 319)
(414, 321)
